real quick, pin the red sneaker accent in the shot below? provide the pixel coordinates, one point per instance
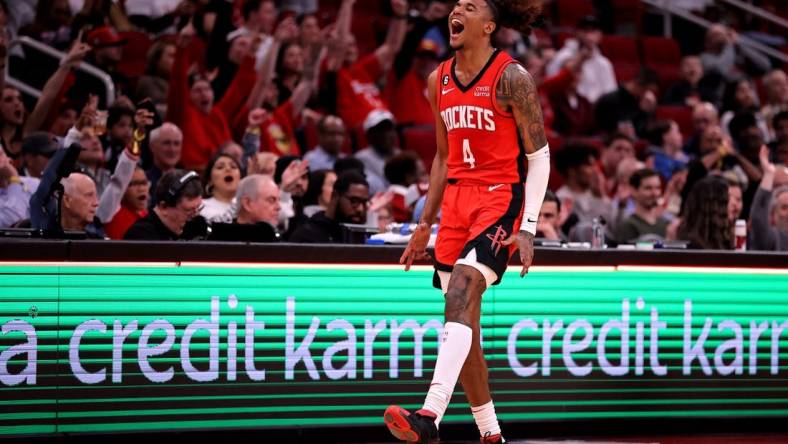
(494, 439)
(418, 428)
(425, 412)
(396, 420)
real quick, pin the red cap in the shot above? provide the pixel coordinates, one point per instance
(104, 36)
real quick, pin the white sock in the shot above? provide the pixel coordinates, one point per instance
(451, 357)
(486, 419)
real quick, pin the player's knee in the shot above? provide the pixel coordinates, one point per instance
(456, 303)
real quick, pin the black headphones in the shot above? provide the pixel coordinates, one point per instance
(171, 198)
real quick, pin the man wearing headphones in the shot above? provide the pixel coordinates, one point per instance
(178, 201)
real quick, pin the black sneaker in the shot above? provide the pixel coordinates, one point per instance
(493, 439)
(418, 427)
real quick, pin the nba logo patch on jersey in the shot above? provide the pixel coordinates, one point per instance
(445, 80)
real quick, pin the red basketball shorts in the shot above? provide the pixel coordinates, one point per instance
(478, 218)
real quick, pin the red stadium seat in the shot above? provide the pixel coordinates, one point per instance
(595, 142)
(663, 55)
(681, 114)
(542, 37)
(641, 146)
(561, 37)
(569, 12)
(620, 48)
(623, 53)
(627, 12)
(421, 140)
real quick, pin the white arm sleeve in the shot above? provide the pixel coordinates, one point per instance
(72, 136)
(535, 187)
(109, 202)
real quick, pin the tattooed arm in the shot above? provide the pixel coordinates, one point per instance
(516, 92)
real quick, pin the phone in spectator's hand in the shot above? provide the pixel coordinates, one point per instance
(147, 104)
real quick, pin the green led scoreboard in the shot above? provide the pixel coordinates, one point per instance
(166, 346)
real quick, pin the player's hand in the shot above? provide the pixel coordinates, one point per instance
(417, 246)
(525, 243)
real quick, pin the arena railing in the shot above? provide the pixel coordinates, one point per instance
(85, 67)
(669, 9)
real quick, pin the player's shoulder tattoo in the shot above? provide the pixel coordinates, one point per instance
(517, 91)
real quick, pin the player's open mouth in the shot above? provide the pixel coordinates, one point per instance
(229, 179)
(456, 27)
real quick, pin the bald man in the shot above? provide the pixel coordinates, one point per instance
(79, 205)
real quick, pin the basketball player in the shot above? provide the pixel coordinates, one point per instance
(489, 123)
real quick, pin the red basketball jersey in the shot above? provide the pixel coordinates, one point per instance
(484, 145)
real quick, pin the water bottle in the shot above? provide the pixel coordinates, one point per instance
(740, 232)
(598, 233)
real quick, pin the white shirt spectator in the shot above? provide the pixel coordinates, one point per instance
(214, 211)
(374, 164)
(15, 201)
(597, 76)
(320, 159)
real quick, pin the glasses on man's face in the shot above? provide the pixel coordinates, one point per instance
(190, 210)
(357, 201)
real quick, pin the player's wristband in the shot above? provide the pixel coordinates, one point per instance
(535, 187)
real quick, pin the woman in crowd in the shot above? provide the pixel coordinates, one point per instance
(220, 183)
(706, 223)
(318, 193)
(740, 97)
(155, 81)
(289, 69)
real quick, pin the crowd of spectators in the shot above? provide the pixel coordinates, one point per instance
(287, 120)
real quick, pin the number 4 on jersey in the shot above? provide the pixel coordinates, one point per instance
(467, 154)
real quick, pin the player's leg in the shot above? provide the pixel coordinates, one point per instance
(462, 309)
(497, 219)
(474, 374)
(421, 426)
